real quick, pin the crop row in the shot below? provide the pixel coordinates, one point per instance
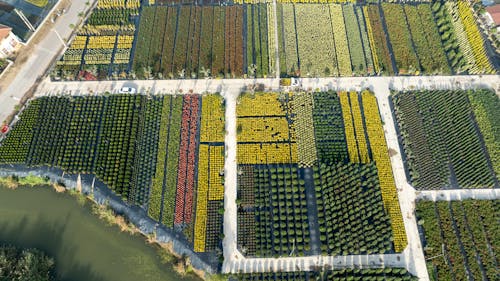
(302, 110)
(213, 119)
(267, 153)
(260, 104)
(197, 42)
(351, 218)
(329, 128)
(281, 212)
(97, 135)
(210, 189)
(465, 237)
(113, 4)
(216, 186)
(263, 129)
(187, 158)
(459, 160)
(474, 37)
(486, 106)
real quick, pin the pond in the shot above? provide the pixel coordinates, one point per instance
(84, 247)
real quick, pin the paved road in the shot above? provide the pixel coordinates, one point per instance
(216, 85)
(413, 254)
(41, 58)
(458, 194)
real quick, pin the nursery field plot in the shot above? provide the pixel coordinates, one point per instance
(102, 48)
(162, 153)
(295, 202)
(202, 41)
(466, 237)
(213, 39)
(325, 46)
(450, 138)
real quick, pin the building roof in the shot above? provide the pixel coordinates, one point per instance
(4, 31)
(494, 11)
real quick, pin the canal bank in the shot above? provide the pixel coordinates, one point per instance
(83, 247)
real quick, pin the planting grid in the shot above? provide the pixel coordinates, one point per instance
(313, 179)
(293, 198)
(163, 153)
(103, 46)
(182, 39)
(450, 138)
(464, 238)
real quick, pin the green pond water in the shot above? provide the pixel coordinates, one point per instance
(84, 247)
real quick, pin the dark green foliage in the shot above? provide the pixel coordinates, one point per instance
(25, 265)
(442, 142)
(280, 209)
(461, 235)
(351, 217)
(112, 136)
(329, 128)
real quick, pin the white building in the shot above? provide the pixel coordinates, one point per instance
(9, 42)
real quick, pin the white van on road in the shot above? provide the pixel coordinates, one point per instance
(127, 90)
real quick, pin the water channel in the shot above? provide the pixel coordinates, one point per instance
(84, 247)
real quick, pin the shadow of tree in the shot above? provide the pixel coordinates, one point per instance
(47, 236)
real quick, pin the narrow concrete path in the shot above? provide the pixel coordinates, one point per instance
(458, 194)
(312, 211)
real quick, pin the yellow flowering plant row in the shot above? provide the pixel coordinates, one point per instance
(101, 42)
(212, 119)
(263, 129)
(340, 38)
(107, 29)
(359, 128)
(98, 56)
(200, 224)
(79, 43)
(352, 146)
(216, 185)
(122, 56)
(474, 38)
(108, 4)
(125, 42)
(267, 153)
(381, 157)
(260, 104)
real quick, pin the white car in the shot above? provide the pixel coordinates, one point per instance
(127, 90)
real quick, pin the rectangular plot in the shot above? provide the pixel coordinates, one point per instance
(267, 153)
(340, 37)
(260, 104)
(263, 129)
(315, 40)
(356, 49)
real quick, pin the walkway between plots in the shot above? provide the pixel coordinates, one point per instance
(458, 194)
(313, 263)
(312, 210)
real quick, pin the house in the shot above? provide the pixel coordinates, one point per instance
(493, 13)
(9, 42)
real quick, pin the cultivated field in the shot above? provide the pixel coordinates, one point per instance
(305, 158)
(179, 39)
(164, 153)
(450, 138)
(462, 238)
